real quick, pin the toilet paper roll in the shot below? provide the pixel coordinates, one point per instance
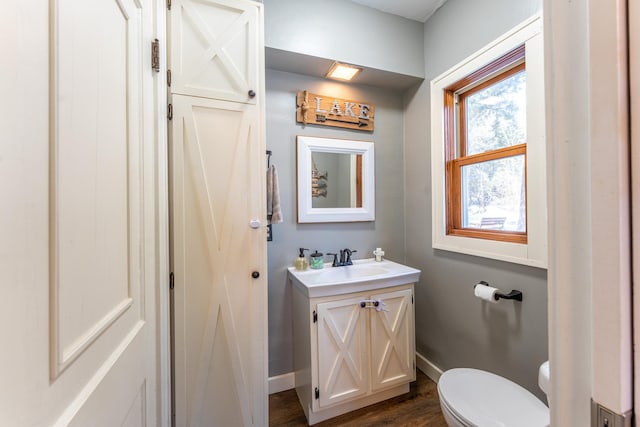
(487, 293)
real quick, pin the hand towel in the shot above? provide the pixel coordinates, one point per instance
(274, 212)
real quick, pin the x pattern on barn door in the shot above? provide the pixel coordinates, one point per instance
(212, 50)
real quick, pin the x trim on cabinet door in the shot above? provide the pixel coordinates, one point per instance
(341, 333)
(392, 338)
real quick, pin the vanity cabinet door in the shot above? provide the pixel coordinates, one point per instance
(342, 351)
(392, 340)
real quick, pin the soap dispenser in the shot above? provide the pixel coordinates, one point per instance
(301, 263)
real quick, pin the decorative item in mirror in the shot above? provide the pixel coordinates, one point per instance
(329, 111)
(336, 180)
(318, 182)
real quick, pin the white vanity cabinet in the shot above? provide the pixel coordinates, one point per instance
(352, 349)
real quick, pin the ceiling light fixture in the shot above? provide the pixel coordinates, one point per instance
(343, 72)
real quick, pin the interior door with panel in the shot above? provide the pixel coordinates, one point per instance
(79, 246)
(219, 262)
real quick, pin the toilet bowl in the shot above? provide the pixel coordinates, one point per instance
(475, 398)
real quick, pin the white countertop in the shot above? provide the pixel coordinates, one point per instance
(363, 275)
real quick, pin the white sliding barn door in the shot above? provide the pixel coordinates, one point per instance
(78, 252)
(220, 312)
(218, 167)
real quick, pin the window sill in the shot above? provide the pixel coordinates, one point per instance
(516, 253)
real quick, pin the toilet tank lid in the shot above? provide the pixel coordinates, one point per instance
(488, 400)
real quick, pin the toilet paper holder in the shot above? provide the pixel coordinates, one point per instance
(514, 294)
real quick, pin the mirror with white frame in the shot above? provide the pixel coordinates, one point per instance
(336, 180)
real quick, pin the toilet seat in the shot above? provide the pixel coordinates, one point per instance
(482, 399)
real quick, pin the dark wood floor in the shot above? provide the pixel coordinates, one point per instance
(419, 407)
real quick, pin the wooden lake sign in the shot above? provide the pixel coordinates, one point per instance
(329, 111)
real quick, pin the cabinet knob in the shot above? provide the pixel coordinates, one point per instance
(363, 304)
(251, 93)
(254, 223)
(255, 274)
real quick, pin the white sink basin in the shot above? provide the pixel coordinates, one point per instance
(363, 275)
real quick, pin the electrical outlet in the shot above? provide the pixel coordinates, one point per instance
(603, 417)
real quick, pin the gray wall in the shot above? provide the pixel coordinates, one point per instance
(388, 229)
(453, 328)
(345, 31)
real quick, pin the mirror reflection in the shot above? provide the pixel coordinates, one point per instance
(336, 180)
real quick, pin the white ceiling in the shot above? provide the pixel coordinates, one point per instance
(418, 10)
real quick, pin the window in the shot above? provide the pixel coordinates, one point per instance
(485, 146)
(488, 151)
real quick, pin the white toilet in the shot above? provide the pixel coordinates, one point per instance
(475, 398)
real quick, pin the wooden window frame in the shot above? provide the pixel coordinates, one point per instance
(455, 147)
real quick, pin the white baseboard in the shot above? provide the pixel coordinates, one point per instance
(429, 369)
(287, 381)
(281, 383)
